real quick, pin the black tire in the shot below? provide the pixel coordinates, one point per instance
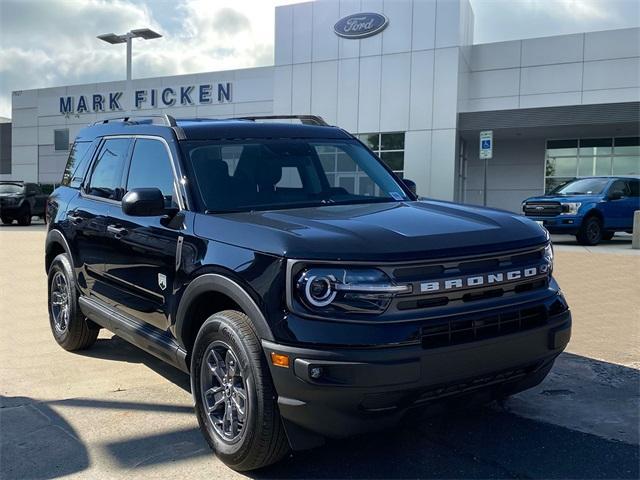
(7, 220)
(71, 330)
(25, 219)
(590, 232)
(260, 438)
(608, 235)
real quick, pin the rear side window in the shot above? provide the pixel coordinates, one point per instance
(151, 167)
(106, 179)
(77, 164)
(634, 187)
(620, 186)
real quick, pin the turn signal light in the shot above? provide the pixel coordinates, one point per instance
(280, 360)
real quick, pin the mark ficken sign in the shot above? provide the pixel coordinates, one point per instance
(204, 94)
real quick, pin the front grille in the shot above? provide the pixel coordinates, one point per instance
(465, 329)
(465, 270)
(542, 209)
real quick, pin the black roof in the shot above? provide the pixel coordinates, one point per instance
(208, 129)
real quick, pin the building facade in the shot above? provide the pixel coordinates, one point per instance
(405, 76)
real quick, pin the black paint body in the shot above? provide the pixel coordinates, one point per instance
(244, 258)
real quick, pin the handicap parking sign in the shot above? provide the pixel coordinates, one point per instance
(486, 144)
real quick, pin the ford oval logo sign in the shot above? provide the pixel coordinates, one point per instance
(360, 25)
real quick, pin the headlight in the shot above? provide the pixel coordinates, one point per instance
(340, 290)
(570, 208)
(548, 256)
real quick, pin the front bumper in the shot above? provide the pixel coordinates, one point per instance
(567, 224)
(12, 209)
(366, 389)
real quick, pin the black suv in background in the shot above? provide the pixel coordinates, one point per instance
(303, 286)
(20, 201)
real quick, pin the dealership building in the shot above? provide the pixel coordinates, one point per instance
(405, 76)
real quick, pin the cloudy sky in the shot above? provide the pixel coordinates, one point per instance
(47, 43)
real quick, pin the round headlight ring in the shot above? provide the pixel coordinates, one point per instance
(318, 291)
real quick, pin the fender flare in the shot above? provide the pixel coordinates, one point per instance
(56, 237)
(216, 283)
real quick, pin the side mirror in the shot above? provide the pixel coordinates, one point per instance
(144, 202)
(411, 185)
(615, 195)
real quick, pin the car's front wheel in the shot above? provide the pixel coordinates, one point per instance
(25, 218)
(234, 395)
(68, 325)
(7, 220)
(590, 232)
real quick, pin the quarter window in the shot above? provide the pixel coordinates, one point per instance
(151, 167)
(76, 165)
(106, 179)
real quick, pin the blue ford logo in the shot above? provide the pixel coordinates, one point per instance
(360, 25)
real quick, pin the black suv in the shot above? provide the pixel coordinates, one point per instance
(21, 201)
(303, 286)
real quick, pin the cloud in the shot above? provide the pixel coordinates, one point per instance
(499, 20)
(46, 43)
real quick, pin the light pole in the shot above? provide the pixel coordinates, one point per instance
(112, 38)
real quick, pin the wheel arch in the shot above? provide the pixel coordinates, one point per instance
(594, 212)
(217, 292)
(55, 244)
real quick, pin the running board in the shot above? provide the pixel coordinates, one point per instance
(142, 335)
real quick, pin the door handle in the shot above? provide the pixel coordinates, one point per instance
(117, 232)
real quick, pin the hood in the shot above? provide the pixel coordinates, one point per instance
(395, 231)
(565, 198)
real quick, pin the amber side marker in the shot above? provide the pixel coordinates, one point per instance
(280, 360)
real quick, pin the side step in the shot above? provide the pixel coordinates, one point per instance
(142, 335)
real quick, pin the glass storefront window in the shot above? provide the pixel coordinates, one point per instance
(389, 147)
(603, 166)
(570, 158)
(626, 165)
(562, 166)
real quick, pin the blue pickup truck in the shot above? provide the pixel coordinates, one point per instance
(593, 208)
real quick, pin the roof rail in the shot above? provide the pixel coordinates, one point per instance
(304, 119)
(167, 120)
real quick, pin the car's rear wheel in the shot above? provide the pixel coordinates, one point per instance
(234, 395)
(68, 325)
(590, 232)
(7, 220)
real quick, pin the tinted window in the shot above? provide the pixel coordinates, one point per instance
(634, 187)
(151, 167)
(620, 186)
(269, 174)
(33, 189)
(76, 164)
(106, 179)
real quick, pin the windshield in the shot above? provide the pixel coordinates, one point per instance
(11, 188)
(268, 174)
(584, 186)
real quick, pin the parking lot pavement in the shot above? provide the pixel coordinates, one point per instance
(114, 411)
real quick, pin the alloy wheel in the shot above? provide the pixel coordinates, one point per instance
(593, 231)
(60, 297)
(224, 392)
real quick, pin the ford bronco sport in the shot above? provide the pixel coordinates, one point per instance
(302, 285)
